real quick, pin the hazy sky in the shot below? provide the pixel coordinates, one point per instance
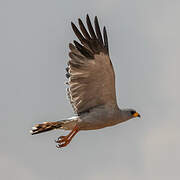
(144, 40)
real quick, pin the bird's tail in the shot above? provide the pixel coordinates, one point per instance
(46, 126)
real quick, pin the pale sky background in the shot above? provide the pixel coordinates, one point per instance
(144, 40)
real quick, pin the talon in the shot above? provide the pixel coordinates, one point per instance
(61, 141)
(63, 145)
(61, 137)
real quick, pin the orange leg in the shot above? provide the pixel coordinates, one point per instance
(65, 140)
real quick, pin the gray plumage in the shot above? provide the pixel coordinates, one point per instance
(91, 82)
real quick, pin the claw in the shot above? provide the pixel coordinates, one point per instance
(62, 143)
(62, 137)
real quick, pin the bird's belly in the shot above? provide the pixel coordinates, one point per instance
(91, 126)
(97, 121)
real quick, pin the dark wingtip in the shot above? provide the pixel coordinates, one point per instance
(87, 15)
(98, 30)
(88, 19)
(96, 20)
(79, 20)
(75, 42)
(72, 25)
(83, 30)
(90, 27)
(105, 40)
(92, 37)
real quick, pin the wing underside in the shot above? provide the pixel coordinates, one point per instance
(90, 72)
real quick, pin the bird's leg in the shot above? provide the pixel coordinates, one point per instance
(65, 140)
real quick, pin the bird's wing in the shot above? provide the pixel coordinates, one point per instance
(90, 72)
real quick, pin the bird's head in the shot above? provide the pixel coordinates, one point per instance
(130, 113)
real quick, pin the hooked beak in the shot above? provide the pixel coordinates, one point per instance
(136, 114)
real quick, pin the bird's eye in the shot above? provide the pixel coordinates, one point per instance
(133, 112)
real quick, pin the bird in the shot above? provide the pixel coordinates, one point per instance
(91, 85)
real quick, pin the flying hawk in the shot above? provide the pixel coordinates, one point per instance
(91, 90)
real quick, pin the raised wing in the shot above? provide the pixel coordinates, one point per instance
(90, 72)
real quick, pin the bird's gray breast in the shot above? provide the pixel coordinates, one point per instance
(99, 117)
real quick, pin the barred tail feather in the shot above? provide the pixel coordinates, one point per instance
(46, 126)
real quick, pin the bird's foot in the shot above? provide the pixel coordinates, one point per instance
(63, 141)
(61, 137)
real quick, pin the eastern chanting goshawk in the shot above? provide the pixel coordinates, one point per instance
(91, 86)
